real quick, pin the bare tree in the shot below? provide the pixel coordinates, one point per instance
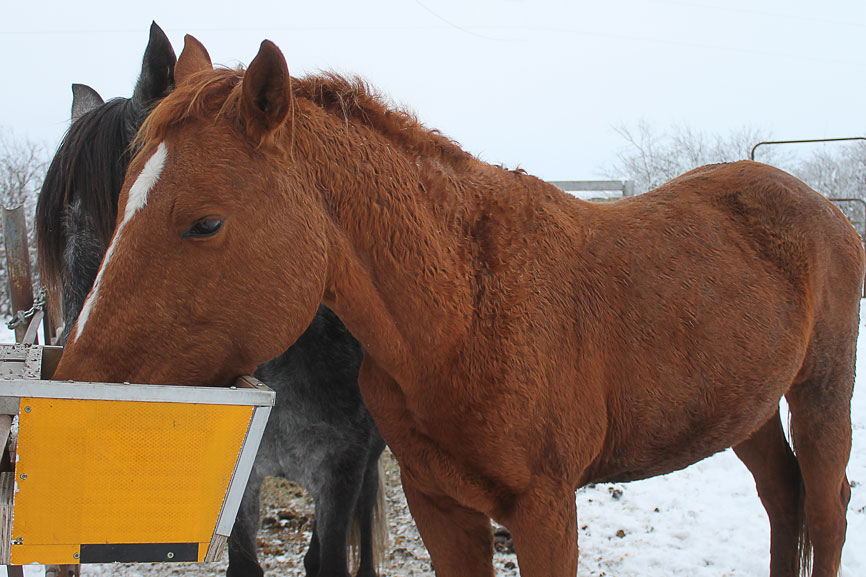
(22, 169)
(651, 158)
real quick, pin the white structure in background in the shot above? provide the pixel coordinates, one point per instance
(597, 190)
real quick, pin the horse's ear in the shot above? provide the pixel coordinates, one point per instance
(157, 69)
(193, 58)
(84, 99)
(266, 92)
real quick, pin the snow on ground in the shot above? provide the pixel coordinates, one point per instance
(704, 521)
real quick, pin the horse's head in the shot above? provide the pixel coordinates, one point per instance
(77, 207)
(219, 257)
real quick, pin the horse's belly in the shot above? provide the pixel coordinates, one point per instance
(680, 453)
(691, 380)
(651, 439)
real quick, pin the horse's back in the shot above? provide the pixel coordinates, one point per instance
(754, 215)
(807, 243)
(803, 236)
(791, 225)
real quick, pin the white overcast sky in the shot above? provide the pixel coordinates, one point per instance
(529, 83)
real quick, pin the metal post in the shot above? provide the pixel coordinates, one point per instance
(17, 263)
(803, 141)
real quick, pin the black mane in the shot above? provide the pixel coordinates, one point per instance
(85, 176)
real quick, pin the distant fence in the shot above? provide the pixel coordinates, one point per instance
(596, 190)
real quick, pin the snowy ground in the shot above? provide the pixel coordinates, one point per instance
(705, 521)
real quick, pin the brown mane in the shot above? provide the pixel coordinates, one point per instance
(216, 93)
(201, 96)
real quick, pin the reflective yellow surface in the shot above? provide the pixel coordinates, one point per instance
(93, 472)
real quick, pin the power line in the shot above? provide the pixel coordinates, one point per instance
(735, 9)
(473, 31)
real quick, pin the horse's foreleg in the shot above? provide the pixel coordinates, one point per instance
(768, 456)
(242, 542)
(459, 540)
(543, 525)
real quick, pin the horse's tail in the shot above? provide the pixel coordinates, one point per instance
(380, 523)
(379, 528)
(804, 543)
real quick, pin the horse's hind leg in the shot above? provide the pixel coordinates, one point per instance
(371, 513)
(820, 403)
(768, 456)
(821, 429)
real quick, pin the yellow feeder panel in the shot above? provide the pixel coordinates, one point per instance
(97, 475)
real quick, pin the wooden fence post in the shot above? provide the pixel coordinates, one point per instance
(17, 264)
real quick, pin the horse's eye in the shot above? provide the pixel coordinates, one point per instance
(204, 228)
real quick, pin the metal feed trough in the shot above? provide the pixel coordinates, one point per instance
(105, 472)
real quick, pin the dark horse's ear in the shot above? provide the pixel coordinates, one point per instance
(157, 69)
(84, 99)
(193, 58)
(266, 92)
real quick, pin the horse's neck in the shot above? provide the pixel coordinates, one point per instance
(423, 245)
(397, 273)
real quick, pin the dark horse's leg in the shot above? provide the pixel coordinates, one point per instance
(367, 504)
(311, 558)
(242, 542)
(335, 507)
(326, 555)
(771, 461)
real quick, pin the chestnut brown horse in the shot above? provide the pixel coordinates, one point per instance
(519, 343)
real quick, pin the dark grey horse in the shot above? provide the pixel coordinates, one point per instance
(320, 433)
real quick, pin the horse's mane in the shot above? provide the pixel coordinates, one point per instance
(355, 99)
(218, 93)
(88, 169)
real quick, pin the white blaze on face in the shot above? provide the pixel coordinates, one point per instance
(136, 201)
